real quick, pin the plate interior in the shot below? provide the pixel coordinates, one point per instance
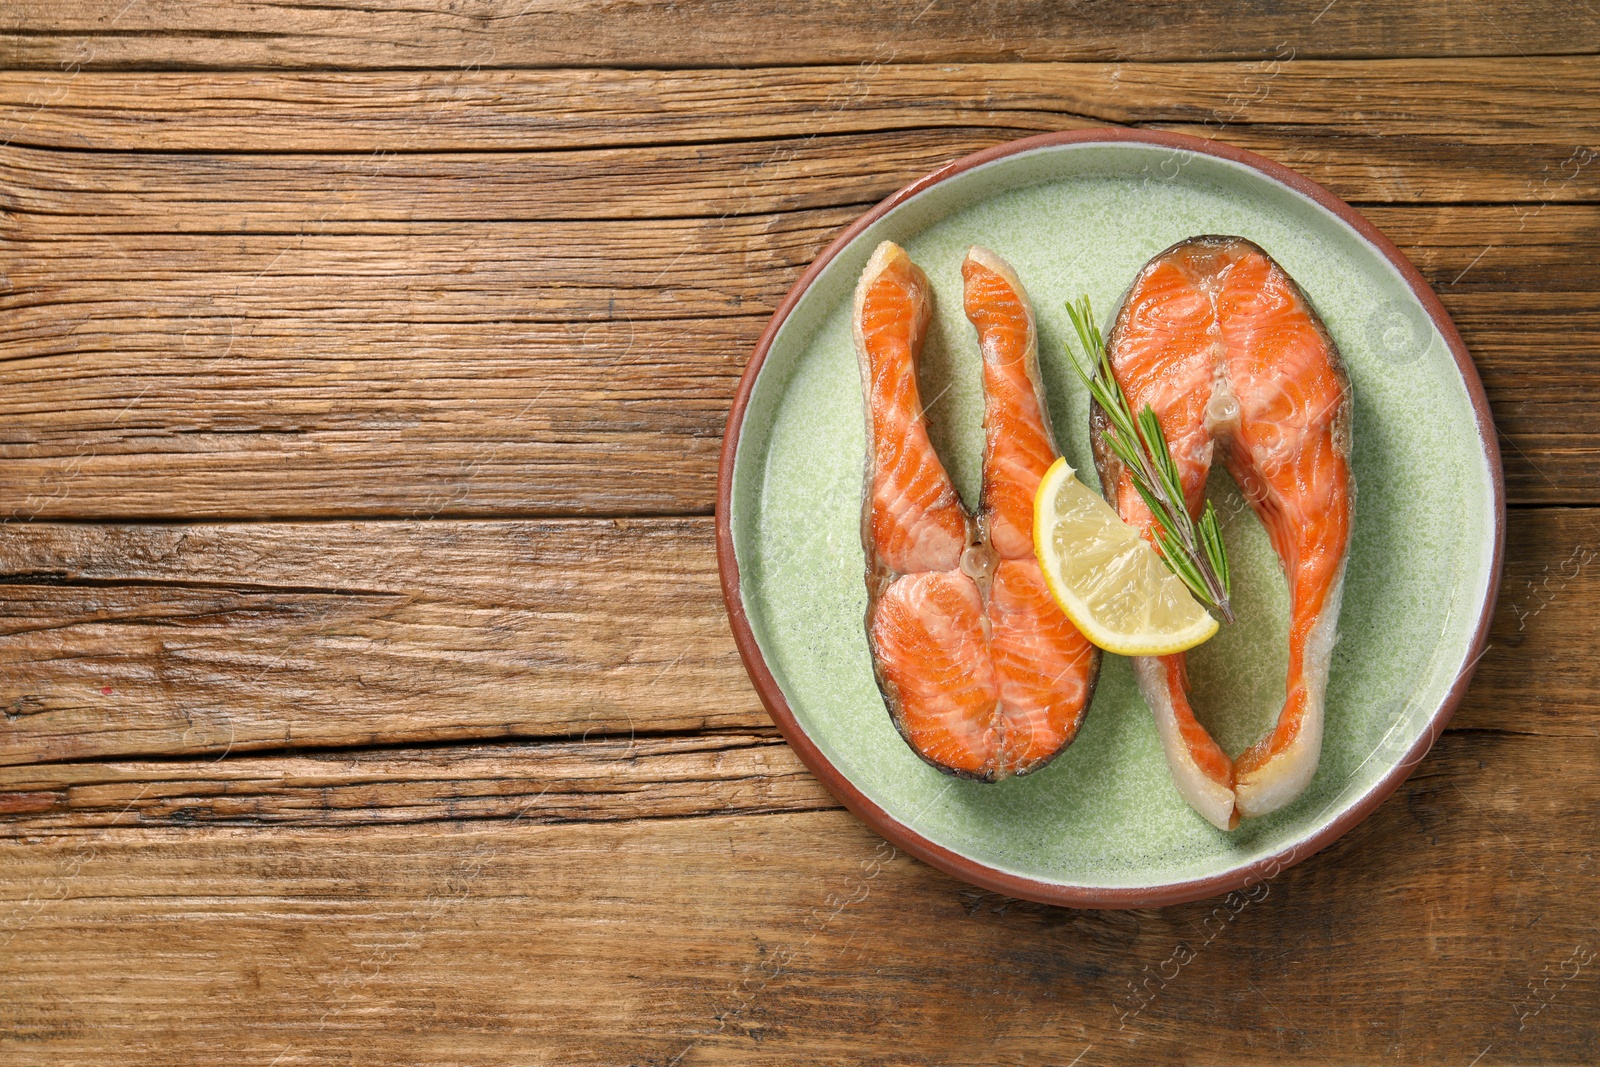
(1084, 218)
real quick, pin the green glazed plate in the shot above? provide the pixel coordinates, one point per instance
(1103, 826)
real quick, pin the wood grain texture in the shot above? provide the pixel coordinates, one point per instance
(223, 639)
(1502, 107)
(313, 194)
(575, 781)
(64, 34)
(800, 937)
(539, 368)
(209, 639)
(470, 772)
(393, 329)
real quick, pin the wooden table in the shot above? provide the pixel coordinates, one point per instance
(367, 692)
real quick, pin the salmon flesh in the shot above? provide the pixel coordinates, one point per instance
(983, 675)
(1222, 344)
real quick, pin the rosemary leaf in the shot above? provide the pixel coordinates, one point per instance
(1211, 530)
(1173, 555)
(1155, 442)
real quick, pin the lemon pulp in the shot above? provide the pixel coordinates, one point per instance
(1108, 580)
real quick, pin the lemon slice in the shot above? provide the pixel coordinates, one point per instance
(1108, 580)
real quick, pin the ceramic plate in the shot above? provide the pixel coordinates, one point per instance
(1103, 826)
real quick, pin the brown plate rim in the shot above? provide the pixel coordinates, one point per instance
(963, 867)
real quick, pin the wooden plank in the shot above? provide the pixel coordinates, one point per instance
(776, 938)
(183, 341)
(609, 418)
(1533, 678)
(1524, 248)
(109, 194)
(487, 273)
(166, 640)
(574, 781)
(1480, 130)
(1545, 429)
(1439, 105)
(172, 639)
(48, 192)
(78, 34)
(517, 368)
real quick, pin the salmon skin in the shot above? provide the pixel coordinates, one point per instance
(1222, 344)
(982, 674)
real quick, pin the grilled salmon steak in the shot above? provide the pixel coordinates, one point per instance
(983, 675)
(1219, 340)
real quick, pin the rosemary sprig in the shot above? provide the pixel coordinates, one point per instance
(1192, 550)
